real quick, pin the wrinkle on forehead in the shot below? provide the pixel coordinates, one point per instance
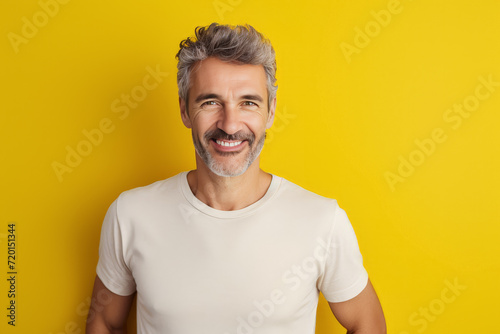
(246, 73)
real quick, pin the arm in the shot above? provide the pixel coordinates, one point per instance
(362, 314)
(108, 311)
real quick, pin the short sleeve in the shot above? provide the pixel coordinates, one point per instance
(344, 275)
(111, 267)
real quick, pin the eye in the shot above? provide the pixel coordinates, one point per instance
(249, 103)
(209, 103)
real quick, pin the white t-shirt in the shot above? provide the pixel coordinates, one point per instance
(257, 270)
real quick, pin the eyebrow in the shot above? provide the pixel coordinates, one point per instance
(202, 97)
(252, 97)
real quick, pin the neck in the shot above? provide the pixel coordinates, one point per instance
(229, 193)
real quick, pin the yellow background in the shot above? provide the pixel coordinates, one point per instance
(345, 121)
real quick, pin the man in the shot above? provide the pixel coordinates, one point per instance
(228, 248)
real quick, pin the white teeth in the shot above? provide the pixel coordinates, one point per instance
(228, 144)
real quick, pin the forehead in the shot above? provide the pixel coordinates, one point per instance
(213, 75)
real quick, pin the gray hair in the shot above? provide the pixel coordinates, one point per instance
(241, 44)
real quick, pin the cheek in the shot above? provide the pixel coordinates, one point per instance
(197, 117)
(257, 127)
(202, 123)
(194, 116)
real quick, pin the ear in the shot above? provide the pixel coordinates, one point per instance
(184, 113)
(270, 116)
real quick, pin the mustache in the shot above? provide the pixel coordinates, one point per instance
(221, 135)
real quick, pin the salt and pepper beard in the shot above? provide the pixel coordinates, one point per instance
(219, 168)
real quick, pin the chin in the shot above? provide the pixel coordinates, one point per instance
(225, 172)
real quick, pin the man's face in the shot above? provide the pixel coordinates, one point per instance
(228, 114)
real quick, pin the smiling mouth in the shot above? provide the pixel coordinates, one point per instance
(228, 143)
(228, 146)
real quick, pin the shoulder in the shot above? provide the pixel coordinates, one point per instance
(296, 191)
(293, 194)
(156, 192)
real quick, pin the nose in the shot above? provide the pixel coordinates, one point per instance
(230, 119)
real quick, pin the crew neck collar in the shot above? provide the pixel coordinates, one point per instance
(199, 205)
